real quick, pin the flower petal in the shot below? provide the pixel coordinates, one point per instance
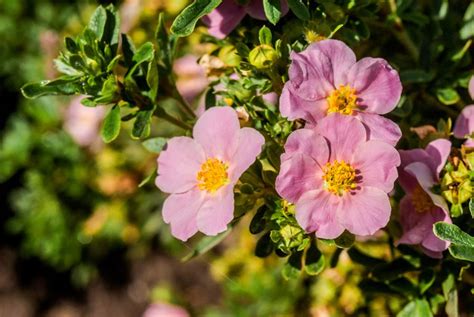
(298, 174)
(471, 87)
(431, 242)
(377, 84)
(380, 128)
(308, 142)
(364, 212)
(438, 152)
(344, 134)
(225, 18)
(406, 180)
(217, 130)
(464, 123)
(294, 107)
(216, 212)
(316, 211)
(415, 225)
(180, 211)
(377, 162)
(179, 164)
(250, 146)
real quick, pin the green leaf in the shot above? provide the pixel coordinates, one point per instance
(144, 54)
(392, 270)
(71, 45)
(462, 252)
(315, 261)
(362, 258)
(447, 96)
(206, 244)
(61, 86)
(299, 9)
(265, 35)
(416, 308)
(453, 234)
(111, 32)
(450, 293)
(471, 207)
(272, 10)
(155, 145)
(264, 246)
(152, 77)
(141, 126)
(292, 267)
(147, 179)
(185, 22)
(128, 50)
(111, 125)
(345, 240)
(97, 22)
(417, 76)
(258, 223)
(425, 280)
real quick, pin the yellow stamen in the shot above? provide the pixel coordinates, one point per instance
(339, 177)
(421, 200)
(342, 100)
(213, 175)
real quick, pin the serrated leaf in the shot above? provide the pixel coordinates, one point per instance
(155, 145)
(299, 9)
(453, 234)
(206, 244)
(185, 22)
(111, 125)
(272, 10)
(60, 86)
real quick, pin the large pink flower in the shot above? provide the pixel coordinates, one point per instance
(228, 15)
(337, 178)
(325, 78)
(162, 309)
(200, 172)
(421, 208)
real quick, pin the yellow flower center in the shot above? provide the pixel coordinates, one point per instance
(339, 177)
(421, 200)
(342, 100)
(213, 175)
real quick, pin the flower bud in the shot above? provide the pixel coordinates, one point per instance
(263, 56)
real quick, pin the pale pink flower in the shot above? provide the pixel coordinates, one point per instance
(337, 178)
(83, 123)
(464, 126)
(421, 208)
(471, 87)
(230, 13)
(200, 172)
(326, 78)
(191, 77)
(165, 310)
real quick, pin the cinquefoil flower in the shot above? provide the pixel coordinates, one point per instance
(325, 79)
(200, 172)
(464, 126)
(421, 208)
(225, 18)
(338, 179)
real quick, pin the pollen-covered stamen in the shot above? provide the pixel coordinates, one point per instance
(421, 200)
(213, 175)
(339, 177)
(342, 100)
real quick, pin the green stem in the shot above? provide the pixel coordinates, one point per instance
(401, 34)
(173, 120)
(184, 105)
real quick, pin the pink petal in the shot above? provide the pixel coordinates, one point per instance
(298, 174)
(431, 242)
(344, 134)
(415, 225)
(225, 18)
(377, 84)
(217, 130)
(316, 211)
(464, 123)
(179, 164)
(406, 180)
(256, 11)
(365, 212)
(438, 152)
(294, 107)
(432, 254)
(250, 146)
(308, 142)
(216, 212)
(181, 210)
(471, 87)
(340, 57)
(380, 128)
(377, 162)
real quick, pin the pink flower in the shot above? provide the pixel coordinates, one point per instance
(165, 310)
(421, 208)
(464, 126)
(325, 78)
(192, 79)
(471, 87)
(200, 172)
(338, 179)
(228, 15)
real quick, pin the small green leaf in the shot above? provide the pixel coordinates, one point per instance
(71, 45)
(141, 126)
(345, 240)
(362, 258)
(315, 261)
(258, 223)
(447, 96)
(299, 9)
(292, 268)
(453, 234)
(61, 86)
(144, 54)
(97, 22)
(471, 207)
(185, 22)
(147, 179)
(152, 77)
(425, 280)
(265, 35)
(155, 145)
(417, 76)
(264, 246)
(462, 252)
(206, 244)
(111, 125)
(272, 10)
(128, 50)
(416, 308)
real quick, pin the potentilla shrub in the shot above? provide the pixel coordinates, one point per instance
(327, 123)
